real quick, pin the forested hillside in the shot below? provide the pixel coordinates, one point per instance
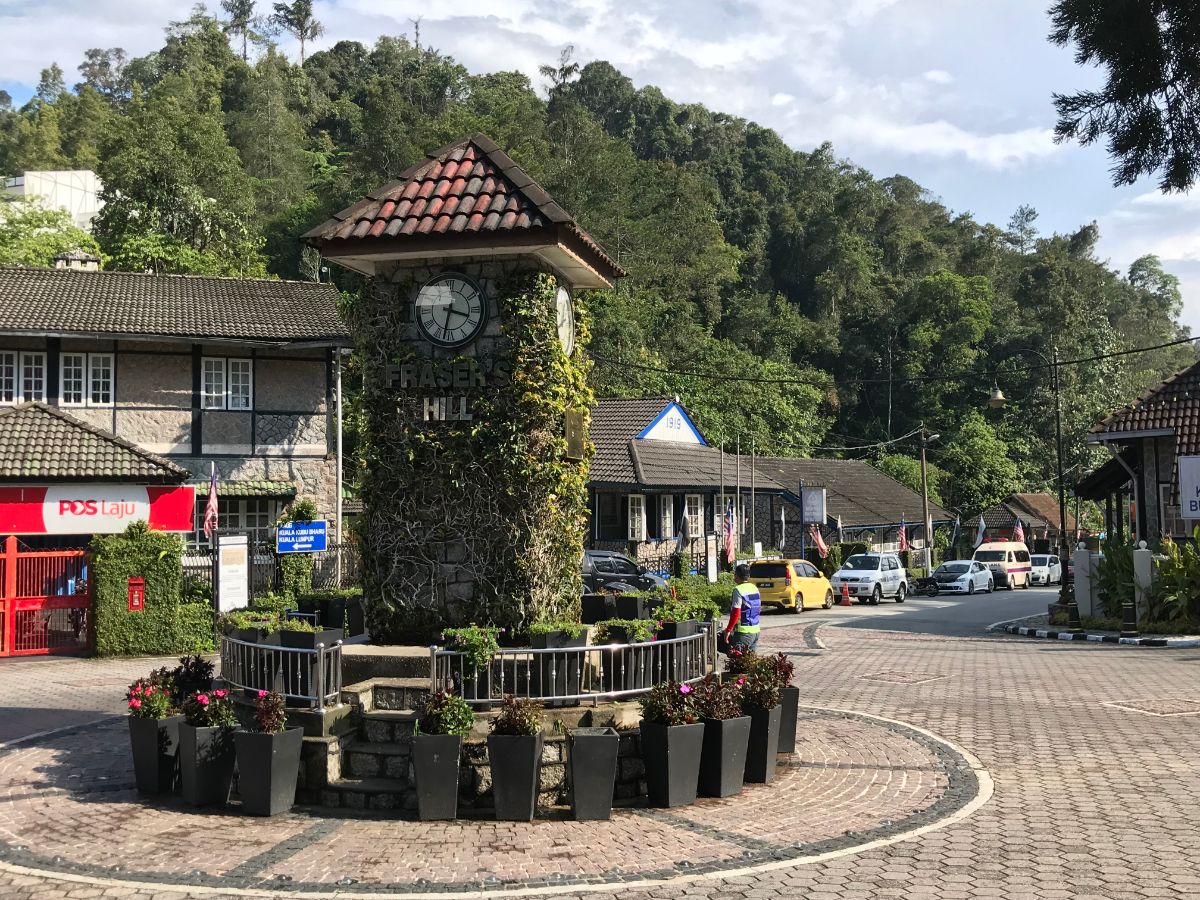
(853, 308)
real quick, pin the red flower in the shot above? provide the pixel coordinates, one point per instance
(219, 694)
(202, 699)
(262, 694)
(135, 704)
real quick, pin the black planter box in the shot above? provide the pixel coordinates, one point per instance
(597, 608)
(789, 702)
(515, 761)
(669, 631)
(332, 611)
(206, 758)
(723, 761)
(356, 621)
(592, 767)
(155, 745)
(268, 765)
(436, 759)
(672, 758)
(251, 635)
(556, 674)
(308, 640)
(631, 607)
(763, 749)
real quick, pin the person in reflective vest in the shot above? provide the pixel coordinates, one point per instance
(744, 611)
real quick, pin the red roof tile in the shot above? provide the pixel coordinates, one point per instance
(1174, 405)
(468, 187)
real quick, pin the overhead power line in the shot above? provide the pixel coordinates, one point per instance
(830, 382)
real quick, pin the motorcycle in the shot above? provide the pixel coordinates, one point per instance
(925, 587)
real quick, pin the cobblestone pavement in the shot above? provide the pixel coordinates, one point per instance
(1091, 749)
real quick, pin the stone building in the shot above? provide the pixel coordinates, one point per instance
(236, 373)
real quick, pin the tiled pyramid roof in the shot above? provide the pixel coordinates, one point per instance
(1173, 405)
(466, 189)
(41, 443)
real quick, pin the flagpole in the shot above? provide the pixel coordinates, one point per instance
(737, 502)
(753, 504)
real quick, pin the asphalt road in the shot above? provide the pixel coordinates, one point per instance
(949, 615)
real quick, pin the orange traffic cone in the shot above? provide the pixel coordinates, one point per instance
(845, 599)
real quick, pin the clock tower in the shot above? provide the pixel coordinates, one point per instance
(471, 330)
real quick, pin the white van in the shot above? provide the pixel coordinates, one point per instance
(1008, 561)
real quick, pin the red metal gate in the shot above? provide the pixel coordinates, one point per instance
(45, 601)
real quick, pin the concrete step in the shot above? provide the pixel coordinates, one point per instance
(369, 759)
(386, 726)
(364, 793)
(390, 693)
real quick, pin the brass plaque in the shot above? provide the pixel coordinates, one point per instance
(576, 434)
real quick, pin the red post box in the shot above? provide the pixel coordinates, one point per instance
(137, 594)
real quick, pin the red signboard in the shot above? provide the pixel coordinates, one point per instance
(95, 508)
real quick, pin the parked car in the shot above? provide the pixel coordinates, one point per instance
(604, 570)
(1045, 569)
(791, 584)
(1008, 561)
(964, 576)
(871, 577)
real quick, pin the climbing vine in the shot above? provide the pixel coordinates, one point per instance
(472, 521)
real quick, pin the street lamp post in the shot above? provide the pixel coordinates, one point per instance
(998, 401)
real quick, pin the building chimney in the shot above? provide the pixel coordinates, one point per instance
(78, 261)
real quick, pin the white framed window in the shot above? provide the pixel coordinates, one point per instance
(693, 506)
(33, 377)
(8, 376)
(254, 515)
(86, 379)
(241, 383)
(226, 383)
(666, 516)
(637, 517)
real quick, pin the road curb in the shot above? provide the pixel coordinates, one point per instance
(1055, 635)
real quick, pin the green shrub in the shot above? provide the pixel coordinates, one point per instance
(296, 569)
(517, 717)
(446, 713)
(570, 629)
(1175, 597)
(478, 643)
(165, 624)
(637, 631)
(1114, 577)
(195, 590)
(696, 589)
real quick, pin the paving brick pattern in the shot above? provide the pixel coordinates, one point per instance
(1091, 800)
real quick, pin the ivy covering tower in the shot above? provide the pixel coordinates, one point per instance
(471, 335)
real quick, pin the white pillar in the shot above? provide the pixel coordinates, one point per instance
(1143, 578)
(337, 500)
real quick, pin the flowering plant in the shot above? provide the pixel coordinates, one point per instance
(209, 709)
(669, 703)
(715, 700)
(760, 690)
(150, 698)
(741, 662)
(269, 713)
(783, 669)
(446, 713)
(517, 717)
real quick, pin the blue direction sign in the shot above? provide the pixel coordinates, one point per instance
(302, 537)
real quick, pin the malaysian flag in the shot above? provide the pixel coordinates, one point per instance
(1019, 533)
(210, 510)
(818, 541)
(903, 536)
(730, 549)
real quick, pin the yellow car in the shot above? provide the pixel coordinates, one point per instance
(791, 584)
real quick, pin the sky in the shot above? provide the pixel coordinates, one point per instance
(955, 94)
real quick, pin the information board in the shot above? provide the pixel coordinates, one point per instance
(232, 575)
(1189, 487)
(302, 537)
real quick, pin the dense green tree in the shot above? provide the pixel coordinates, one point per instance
(32, 235)
(907, 471)
(296, 18)
(241, 22)
(1148, 110)
(105, 72)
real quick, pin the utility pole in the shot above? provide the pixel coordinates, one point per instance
(737, 496)
(926, 439)
(753, 502)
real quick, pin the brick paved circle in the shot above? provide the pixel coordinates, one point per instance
(67, 806)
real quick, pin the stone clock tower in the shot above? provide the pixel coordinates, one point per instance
(470, 330)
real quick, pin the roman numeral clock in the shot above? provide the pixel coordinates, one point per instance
(474, 493)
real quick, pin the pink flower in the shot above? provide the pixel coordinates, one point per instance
(148, 691)
(262, 695)
(202, 699)
(135, 704)
(741, 680)
(219, 694)
(685, 689)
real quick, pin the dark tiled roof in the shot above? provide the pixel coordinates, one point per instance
(41, 443)
(63, 301)
(247, 488)
(467, 188)
(855, 490)
(664, 464)
(1043, 507)
(616, 422)
(1173, 405)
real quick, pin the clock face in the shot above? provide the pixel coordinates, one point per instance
(450, 310)
(566, 320)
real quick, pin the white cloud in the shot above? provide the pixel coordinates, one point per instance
(781, 99)
(938, 76)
